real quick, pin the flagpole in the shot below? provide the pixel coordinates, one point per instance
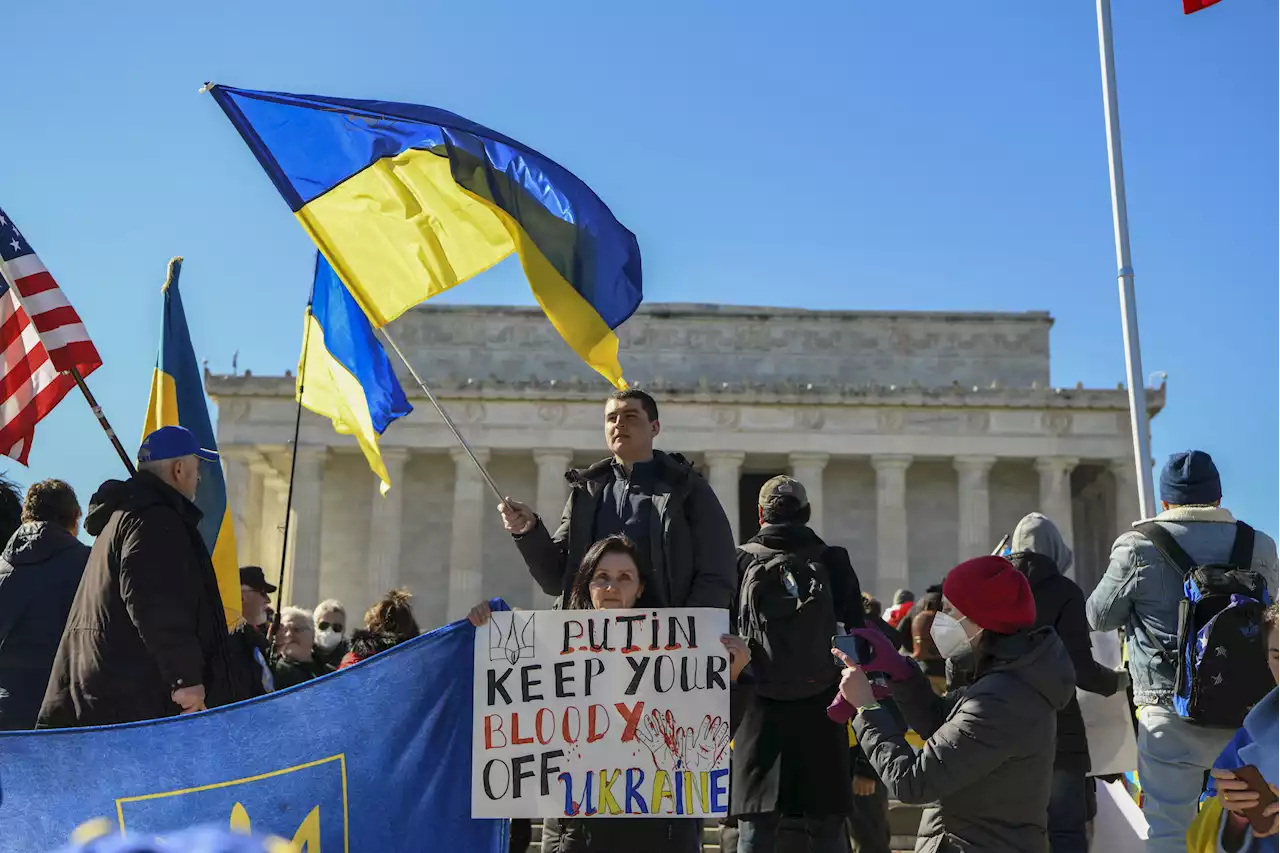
(1138, 418)
(293, 467)
(445, 416)
(102, 420)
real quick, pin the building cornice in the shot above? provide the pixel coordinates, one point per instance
(759, 393)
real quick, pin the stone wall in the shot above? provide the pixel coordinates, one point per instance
(677, 346)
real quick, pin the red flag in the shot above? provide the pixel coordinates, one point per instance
(1189, 6)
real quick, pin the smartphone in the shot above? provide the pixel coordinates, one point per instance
(858, 649)
(1253, 777)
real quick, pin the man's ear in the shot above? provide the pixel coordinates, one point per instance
(657, 428)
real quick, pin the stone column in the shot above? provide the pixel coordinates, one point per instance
(807, 468)
(305, 526)
(235, 471)
(265, 518)
(1055, 494)
(892, 567)
(553, 491)
(725, 472)
(384, 526)
(1126, 497)
(466, 545)
(974, 501)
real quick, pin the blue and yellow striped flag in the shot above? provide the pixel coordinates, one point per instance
(344, 374)
(407, 201)
(177, 399)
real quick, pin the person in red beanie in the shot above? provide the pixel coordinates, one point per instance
(987, 763)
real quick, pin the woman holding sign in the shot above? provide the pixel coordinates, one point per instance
(988, 760)
(610, 578)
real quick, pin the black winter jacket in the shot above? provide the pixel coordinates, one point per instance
(988, 758)
(147, 618)
(39, 573)
(1060, 605)
(691, 551)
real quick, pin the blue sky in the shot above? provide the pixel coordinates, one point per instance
(852, 155)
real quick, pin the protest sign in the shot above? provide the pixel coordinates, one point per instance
(601, 713)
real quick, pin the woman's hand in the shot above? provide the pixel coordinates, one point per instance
(1234, 794)
(479, 614)
(739, 654)
(863, 787)
(854, 686)
(1271, 811)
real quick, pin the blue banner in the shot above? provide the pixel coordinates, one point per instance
(375, 757)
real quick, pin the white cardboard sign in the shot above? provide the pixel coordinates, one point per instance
(601, 713)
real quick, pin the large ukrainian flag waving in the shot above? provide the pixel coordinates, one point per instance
(177, 399)
(407, 201)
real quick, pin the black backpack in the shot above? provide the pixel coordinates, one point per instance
(787, 613)
(1221, 663)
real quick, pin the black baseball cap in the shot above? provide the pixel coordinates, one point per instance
(252, 577)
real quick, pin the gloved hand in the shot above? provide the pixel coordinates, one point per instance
(884, 657)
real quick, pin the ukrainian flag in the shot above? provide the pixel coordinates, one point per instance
(177, 399)
(407, 201)
(344, 374)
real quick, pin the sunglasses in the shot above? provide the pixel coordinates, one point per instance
(325, 626)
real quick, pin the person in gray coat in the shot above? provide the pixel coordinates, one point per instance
(40, 571)
(655, 499)
(987, 764)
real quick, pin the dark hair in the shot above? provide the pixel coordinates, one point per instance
(903, 596)
(10, 508)
(785, 510)
(580, 595)
(647, 403)
(52, 501)
(393, 615)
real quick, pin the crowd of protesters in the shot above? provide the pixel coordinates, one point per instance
(962, 699)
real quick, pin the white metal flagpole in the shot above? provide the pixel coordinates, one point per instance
(1138, 420)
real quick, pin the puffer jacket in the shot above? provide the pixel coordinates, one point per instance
(1141, 591)
(690, 550)
(988, 760)
(40, 572)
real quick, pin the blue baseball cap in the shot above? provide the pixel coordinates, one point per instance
(173, 442)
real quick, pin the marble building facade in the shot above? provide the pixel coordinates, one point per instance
(922, 437)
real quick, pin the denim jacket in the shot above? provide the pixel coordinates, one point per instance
(1141, 590)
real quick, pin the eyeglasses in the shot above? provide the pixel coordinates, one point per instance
(325, 626)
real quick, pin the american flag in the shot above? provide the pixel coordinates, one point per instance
(41, 337)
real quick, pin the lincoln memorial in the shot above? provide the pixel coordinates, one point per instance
(921, 437)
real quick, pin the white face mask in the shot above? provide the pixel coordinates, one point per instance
(948, 635)
(328, 639)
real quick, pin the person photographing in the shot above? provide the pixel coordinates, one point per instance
(987, 762)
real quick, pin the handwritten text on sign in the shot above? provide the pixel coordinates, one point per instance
(600, 713)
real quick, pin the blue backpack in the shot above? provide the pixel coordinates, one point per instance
(1222, 667)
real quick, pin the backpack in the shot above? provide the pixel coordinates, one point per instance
(787, 613)
(1222, 667)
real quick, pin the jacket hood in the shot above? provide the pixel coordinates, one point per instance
(1039, 659)
(1037, 534)
(38, 542)
(674, 468)
(145, 489)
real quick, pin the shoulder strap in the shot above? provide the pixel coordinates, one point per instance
(1242, 549)
(760, 552)
(1166, 545)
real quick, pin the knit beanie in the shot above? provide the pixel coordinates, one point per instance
(992, 594)
(1190, 478)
